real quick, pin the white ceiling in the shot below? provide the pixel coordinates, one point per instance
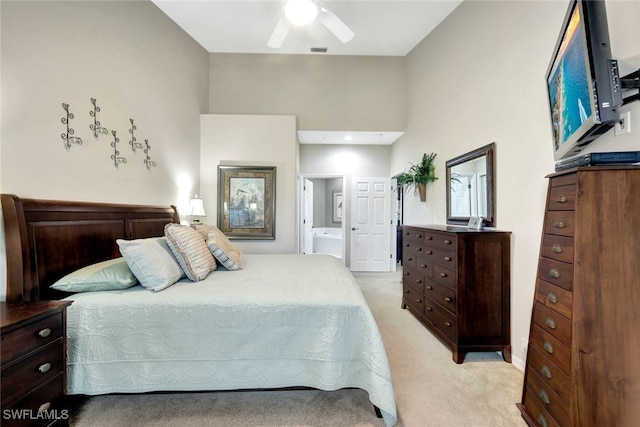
(381, 27)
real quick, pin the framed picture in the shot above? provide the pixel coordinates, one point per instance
(337, 206)
(247, 202)
(475, 222)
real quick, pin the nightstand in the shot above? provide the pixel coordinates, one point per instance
(33, 363)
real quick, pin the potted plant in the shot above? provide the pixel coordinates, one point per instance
(419, 175)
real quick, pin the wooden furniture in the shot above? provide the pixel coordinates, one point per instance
(34, 362)
(456, 282)
(583, 357)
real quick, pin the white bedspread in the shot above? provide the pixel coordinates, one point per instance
(282, 321)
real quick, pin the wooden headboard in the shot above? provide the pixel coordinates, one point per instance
(47, 239)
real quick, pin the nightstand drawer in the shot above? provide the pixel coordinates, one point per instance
(19, 379)
(48, 398)
(30, 337)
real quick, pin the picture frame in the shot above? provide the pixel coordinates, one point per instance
(247, 202)
(337, 206)
(475, 222)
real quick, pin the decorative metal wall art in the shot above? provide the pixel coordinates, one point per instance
(116, 154)
(95, 126)
(67, 136)
(147, 161)
(132, 141)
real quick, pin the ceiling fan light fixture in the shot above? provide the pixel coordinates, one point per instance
(300, 12)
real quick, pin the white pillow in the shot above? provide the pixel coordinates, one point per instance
(113, 274)
(151, 261)
(227, 254)
(190, 250)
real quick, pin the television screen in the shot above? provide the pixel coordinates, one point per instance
(581, 79)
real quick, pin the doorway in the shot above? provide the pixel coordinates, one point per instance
(322, 216)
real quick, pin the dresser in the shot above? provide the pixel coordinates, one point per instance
(456, 282)
(583, 357)
(33, 360)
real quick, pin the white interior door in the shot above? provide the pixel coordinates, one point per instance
(370, 224)
(307, 219)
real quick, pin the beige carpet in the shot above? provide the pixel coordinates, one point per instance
(430, 389)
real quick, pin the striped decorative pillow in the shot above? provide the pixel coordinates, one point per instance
(190, 250)
(224, 251)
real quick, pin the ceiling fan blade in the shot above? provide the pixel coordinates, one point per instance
(335, 25)
(279, 33)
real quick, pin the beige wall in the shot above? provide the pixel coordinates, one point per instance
(252, 140)
(361, 93)
(137, 63)
(479, 78)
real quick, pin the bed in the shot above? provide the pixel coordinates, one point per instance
(281, 321)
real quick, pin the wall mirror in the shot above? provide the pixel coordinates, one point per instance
(471, 187)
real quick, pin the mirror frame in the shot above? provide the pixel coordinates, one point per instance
(487, 150)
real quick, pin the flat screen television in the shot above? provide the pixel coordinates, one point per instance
(582, 79)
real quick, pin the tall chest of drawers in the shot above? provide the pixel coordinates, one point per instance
(33, 356)
(583, 357)
(456, 281)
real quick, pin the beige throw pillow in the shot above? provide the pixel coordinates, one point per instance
(190, 250)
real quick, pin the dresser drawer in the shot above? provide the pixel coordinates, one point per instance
(445, 241)
(446, 258)
(556, 351)
(537, 412)
(562, 198)
(561, 223)
(555, 297)
(445, 321)
(19, 378)
(550, 373)
(441, 295)
(413, 234)
(549, 400)
(565, 179)
(409, 254)
(557, 247)
(29, 337)
(444, 275)
(414, 279)
(48, 397)
(556, 272)
(424, 267)
(553, 322)
(413, 298)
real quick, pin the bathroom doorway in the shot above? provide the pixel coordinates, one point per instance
(322, 216)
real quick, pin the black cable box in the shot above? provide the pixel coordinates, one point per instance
(595, 159)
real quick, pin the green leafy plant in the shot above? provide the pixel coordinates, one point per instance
(421, 173)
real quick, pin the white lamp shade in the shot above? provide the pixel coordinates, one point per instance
(300, 12)
(196, 207)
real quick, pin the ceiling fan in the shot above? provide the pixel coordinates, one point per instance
(303, 12)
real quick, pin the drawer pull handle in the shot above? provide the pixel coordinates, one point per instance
(423, 265)
(447, 258)
(409, 259)
(429, 308)
(418, 301)
(447, 242)
(550, 322)
(419, 250)
(407, 245)
(406, 291)
(406, 273)
(44, 407)
(555, 273)
(419, 236)
(542, 421)
(556, 248)
(548, 347)
(429, 253)
(447, 299)
(429, 238)
(44, 333)
(406, 233)
(559, 223)
(443, 274)
(429, 287)
(544, 397)
(419, 281)
(552, 298)
(562, 199)
(447, 324)
(44, 367)
(546, 371)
